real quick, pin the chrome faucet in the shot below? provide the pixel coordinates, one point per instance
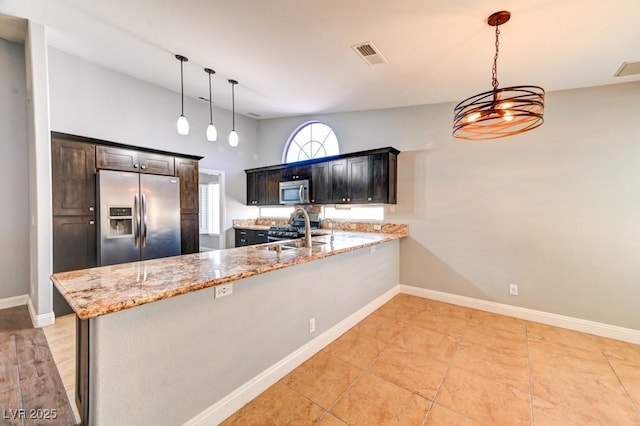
(307, 227)
(332, 225)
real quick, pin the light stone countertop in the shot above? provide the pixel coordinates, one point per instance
(103, 290)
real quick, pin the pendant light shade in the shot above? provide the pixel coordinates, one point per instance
(212, 132)
(183, 124)
(498, 112)
(233, 136)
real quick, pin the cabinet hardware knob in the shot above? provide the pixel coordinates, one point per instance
(369, 199)
(92, 222)
(143, 167)
(135, 166)
(91, 209)
(348, 199)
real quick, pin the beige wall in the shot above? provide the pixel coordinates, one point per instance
(555, 211)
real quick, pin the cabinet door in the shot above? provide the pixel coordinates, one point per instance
(73, 174)
(272, 198)
(320, 184)
(357, 180)
(296, 172)
(338, 179)
(256, 188)
(74, 243)
(108, 157)
(189, 233)
(157, 164)
(187, 171)
(382, 178)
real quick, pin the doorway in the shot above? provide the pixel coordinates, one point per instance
(212, 209)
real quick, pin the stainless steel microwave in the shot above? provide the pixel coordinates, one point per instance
(294, 192)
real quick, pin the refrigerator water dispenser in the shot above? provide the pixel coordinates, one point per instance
(120, 222)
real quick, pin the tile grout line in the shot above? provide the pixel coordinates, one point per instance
(621, 383)
(526, 333)
(444, 375)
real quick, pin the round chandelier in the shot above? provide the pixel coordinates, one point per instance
(498, 113)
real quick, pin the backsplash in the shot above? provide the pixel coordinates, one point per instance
(400, 229)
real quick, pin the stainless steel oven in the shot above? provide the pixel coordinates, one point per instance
(294, 192)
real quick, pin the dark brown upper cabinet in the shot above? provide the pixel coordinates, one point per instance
(73, 174)
(187, 171)
(356, 178)
(131, 160)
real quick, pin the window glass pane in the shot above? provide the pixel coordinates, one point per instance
(312, 140)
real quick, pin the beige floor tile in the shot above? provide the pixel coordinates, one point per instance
(357, 348)
(562, 336)
(433, 344)
(629, 375)
(483, 400)
(398, 311)
(567, 359)
(440, 322)
(494, 338)
(415, 302)
(499, 322)
(374, 401)
(553, 414)
(586, 394)
(621, 350)
(278, 405)
(450, 310)
(330, 420)
(379, 327)
(505, 365)
(411, 370)
(442, 416)
(322, 378)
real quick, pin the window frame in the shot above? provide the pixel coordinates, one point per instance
(297, 130)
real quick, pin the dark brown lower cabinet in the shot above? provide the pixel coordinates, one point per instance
(190, 233)
(248, 237)
(74, 247)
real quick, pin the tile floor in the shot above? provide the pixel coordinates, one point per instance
(420, 362)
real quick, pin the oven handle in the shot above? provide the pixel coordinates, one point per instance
(300, 194)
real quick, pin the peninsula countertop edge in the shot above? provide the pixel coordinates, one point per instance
(102, 290)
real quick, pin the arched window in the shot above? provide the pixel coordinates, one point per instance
(312, 139)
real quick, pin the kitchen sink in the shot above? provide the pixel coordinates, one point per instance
(291, 244)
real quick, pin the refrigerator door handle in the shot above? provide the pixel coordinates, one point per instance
(143, 233)
(136, 221)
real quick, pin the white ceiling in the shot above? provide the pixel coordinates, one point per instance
(294, 57)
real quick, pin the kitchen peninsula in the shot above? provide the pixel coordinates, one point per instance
(200, 357)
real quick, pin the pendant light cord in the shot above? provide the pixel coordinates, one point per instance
(182, 86)
(210, 100)
(233, 105)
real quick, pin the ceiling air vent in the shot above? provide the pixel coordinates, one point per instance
(628, 68)
(369, 53)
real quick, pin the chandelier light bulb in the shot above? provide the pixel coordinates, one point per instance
(233, 138)
(183, 125)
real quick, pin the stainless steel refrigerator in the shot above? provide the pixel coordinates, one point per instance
(139, 216)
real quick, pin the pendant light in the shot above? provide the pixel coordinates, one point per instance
(233, 136)
(499, 112)
(212, 133)
(183, 124)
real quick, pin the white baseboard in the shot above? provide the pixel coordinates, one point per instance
(577, 324)
(12, 302)
(231, 403)
(40, 320)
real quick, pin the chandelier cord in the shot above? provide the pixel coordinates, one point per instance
(494, 73)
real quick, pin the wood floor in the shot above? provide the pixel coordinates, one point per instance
(31, 391)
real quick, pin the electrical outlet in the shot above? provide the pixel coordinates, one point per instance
(513, 289)
(312, 325)
(223, 290)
